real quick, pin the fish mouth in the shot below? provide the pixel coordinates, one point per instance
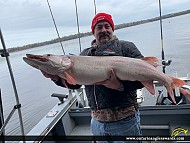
(37, 57)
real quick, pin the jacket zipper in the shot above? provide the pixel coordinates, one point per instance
(95, 97)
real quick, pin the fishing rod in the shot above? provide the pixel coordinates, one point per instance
(76, 10)
(164, 62)
(1, 119)
(5, 54)
(95, 7)
(55, 27)
(78, 25)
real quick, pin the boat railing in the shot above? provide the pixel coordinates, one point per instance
(73, 99)
(4, 53)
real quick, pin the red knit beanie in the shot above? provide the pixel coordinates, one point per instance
(100, 17)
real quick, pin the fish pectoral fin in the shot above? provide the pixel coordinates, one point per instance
(70, 79)
(64, 82)
(152, 61)
(149, 86)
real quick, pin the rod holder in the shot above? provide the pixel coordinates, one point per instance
(4, 53)
(166, 62)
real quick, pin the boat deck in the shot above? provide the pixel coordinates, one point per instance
(70, 120)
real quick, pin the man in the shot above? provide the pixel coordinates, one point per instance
(113, 102)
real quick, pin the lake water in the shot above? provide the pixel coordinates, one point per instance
(35, 91)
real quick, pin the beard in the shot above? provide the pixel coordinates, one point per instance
(104, 34)
(104, 37)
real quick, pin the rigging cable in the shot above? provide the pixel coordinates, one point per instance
(1, 118)
(18, 106)
(55, 27)
(78, 25)
(161, 35)
(95, 7)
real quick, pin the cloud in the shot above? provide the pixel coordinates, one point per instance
(15, 14)
(21, 15)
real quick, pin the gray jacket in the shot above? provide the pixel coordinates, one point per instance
(101, 97)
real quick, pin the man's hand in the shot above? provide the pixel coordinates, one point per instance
(54, 78)
(47, 75)
(112, 82)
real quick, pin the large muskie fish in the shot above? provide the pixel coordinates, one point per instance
(86, 70)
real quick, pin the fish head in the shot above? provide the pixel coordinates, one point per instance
(51, 64)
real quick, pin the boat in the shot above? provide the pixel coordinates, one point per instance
(69, 119)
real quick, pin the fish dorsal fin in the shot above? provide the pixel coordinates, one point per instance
(152, 61)
(177, 82)
(70, 79)
(149, 86)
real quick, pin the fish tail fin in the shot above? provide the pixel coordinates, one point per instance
(185, 92)
(152, 61)
(171, 93)
(177, 82)
(149, 86)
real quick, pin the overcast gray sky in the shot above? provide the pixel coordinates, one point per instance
(35, 13)
(22, 15)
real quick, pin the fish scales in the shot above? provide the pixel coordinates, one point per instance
(97, 69)
(89, 70)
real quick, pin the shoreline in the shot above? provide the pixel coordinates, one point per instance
(75, 36)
